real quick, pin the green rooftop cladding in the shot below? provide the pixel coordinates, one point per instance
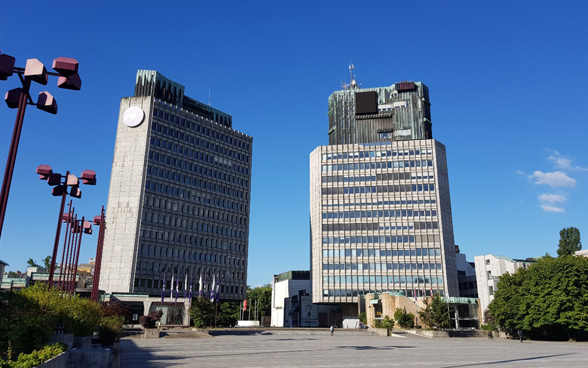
(294, 275)
(152, 83)
(382, 114)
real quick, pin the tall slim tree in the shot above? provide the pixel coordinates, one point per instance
(569, 241)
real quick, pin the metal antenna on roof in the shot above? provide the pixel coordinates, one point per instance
(209, 97)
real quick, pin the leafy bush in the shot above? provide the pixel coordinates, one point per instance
(110, 328)
(149, 320)
(36, 357)
(387, 323)
(81, 316)
(25, 324)
(404, 320)
(362, 317)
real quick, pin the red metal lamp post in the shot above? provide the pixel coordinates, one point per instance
(18, 98)
(61, 184)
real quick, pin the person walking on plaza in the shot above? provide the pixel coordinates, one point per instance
(520, 335)
(332, 330)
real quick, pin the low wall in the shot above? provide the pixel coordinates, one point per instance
(59, 361)
(247, 323)
(90, 358)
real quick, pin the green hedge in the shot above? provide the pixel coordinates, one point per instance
(36, 358)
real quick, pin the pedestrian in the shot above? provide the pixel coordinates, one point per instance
(332, 330)
(520, 335)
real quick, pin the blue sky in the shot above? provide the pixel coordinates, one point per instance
(506, 79)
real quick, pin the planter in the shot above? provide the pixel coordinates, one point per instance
(82, 342)
(151, 333)
(59, 361)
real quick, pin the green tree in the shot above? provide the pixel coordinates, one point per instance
(47, 262)
(202, 312)
(404, 320)
(436, 313)
(387, 323)
(260, 300)
(548, 300)
(228, 313)
(569, 241)
(32, 263)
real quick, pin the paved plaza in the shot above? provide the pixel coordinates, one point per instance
(283, 349)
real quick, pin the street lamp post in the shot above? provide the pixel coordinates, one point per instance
(18, 98)
(61, 184)
(98, 220)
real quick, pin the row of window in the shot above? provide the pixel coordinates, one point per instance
(415, 252)
(201, 171)
(170, 190)
(376, 165)
(398, 188)
(195, 127)
(371, 266)
(423, 225)
(195, 211)
(192, 141)
(192, 155)
(200, 227)
(145, 265)
(378, 214)
(382, 203)
(408, 292)
(184, 254)
(158, 284)
(157, 172)
(374, 154)
(377, 177)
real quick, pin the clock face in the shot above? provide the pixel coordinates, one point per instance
(133, 116)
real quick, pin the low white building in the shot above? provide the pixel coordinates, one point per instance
(285, 286)
(488, 270)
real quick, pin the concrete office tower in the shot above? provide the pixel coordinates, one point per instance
(178, 205)
(380, 209)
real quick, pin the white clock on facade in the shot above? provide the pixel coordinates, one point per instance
(133, 116)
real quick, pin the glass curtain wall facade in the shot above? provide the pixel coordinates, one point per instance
(380, 211)
(178, 206)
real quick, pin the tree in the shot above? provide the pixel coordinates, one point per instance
(387, 323)
(202, 312)
(436, 313)
(260, 299)
(404, 320)
(548, 300)
(32, 263)
(228, 313)
(569, 241)
(47, 262)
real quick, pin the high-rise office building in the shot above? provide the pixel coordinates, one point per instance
(178, 205)
(380, 209)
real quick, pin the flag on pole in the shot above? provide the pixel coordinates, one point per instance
(163, 289)
(171, 288)
(216, 293)
(200, 286)
(191, 284)
(185, 284)
(204, 285)
(415, 295)
(212, 297)
(244, 305)
(177, 285)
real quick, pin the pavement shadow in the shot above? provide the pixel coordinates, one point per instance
(506, 361)
(366, 347)
(130, 355)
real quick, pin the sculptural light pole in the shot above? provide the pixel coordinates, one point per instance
(18, 98)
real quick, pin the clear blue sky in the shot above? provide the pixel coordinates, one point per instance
(507, 84)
